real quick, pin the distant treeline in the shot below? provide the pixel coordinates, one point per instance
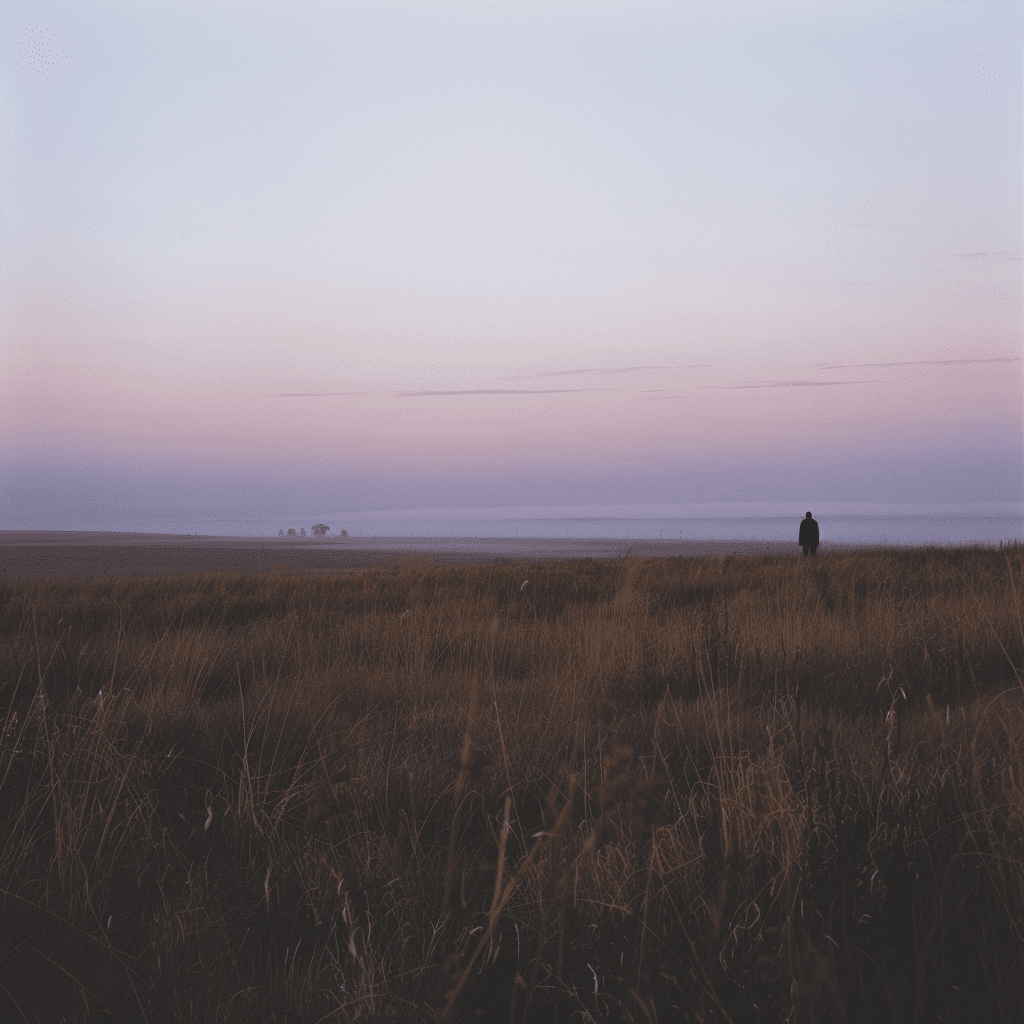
(319, 531)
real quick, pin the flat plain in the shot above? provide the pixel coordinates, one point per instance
(712, 787)
(41, 554)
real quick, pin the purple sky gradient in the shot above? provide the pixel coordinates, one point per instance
(487, 254)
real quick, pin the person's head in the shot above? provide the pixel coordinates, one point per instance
(808, 515)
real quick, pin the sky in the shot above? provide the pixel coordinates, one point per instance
(494, 253)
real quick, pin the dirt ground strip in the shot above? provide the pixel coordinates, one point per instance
(48, 554)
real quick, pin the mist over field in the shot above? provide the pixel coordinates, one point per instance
(842, 524)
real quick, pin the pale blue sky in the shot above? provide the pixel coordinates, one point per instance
(253, 252)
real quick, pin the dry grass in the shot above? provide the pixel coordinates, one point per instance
(741, 788)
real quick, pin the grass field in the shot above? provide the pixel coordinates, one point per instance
(693, 789)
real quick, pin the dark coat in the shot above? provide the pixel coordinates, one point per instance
(808, 533)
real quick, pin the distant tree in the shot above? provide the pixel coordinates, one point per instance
(291, 533)
(303, 531)
(320, 531)
(344, 533)
(280, 533)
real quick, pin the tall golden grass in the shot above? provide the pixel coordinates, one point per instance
(712, 789)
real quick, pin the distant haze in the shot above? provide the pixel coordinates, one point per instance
(367, 257)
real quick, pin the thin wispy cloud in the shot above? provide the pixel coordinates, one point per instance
(1012, 255)
(790, 384)
(496, 391)
(433, 394)
(674, 396)
(602, 371)
(918, 362)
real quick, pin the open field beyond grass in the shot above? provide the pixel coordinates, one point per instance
(746, 788)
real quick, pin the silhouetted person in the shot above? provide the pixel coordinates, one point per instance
(808, 535)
